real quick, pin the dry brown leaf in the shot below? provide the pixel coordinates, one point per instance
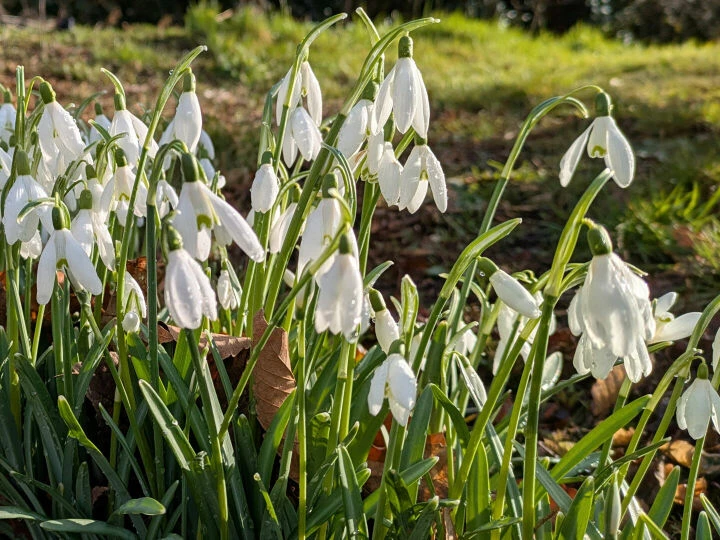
(700, 487)
(622, 437)
(558, 442)
(681, 452)
(605, 392)
(273, 376)
(436, 446)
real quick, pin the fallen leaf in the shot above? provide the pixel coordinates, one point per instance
(273, 376)
(681, 452)
(435, 446)
(622, 437)
(700, 488)
(558, 442)
(605, 391)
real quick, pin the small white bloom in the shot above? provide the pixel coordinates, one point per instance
(188, 293)
(33, 248)
(307, 86)
(199, 210)
(89, 228)
(514, 295)
(613, 313)
(603, 139)
(226, 292)
(205, 146)
(63, 252)
(305, 136)
(667, 326)
(340, 298)
(23, 191)
(57, 131)
(134, 130)
(102, 121)
(394, 379)
(133, 298)
(403, 93)
(376, 149)
(8, 113)
(279, 229)
(131, 322)
(321, 226)
(358, 126)
(697, 406)
(165, 198)
(422, 166)
(265, 188)
(118, 191)
(390, 176)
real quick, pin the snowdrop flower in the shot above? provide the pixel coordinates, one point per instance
(667, 326)
(226, 293)
(205, 146)
(58, 134)
(340, 297)
(509, 290)
(698, 404)
(403, 93)
(393, 379)
(102, 121)
(376, 149)
(422, 168)
(613, 313)
(386, 329)
(188, 293)
(309, 88)
(118, 191)
(134, 303)
(321, 226)
(7, 117)
(603, 139)
(359, 124)
(63, 252)
(303, 135)
(279, 229)
(5, 168)
(165, 198)
(33, 248)
(199, 211)
(390, 175)
(23, 191)
(265, 186)
(506, 321)
(89, 228)
(135, 132)
(186, 126)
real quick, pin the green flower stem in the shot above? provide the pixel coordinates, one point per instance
(690, 490)
(205, 383)
(392, 460)
(274, 322)
(37, 333)
(339, 423)
(532, 427)
(301, 431)
(371, 194)
(257, 289)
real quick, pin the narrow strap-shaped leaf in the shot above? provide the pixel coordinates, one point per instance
(352, 501)
(86, 526)
(711, 511)
(425, 520)
(455, 415)
(578, 515)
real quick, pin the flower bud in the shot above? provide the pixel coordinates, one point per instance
(265, 189)
(131, 322)
(510, 291)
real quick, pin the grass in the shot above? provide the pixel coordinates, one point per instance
(482, 79)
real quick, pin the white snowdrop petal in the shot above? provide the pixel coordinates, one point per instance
(620, 158)
(418, 198)
(401, 382)
(265, 189)
(598, 141)
(436, 177)
(47, 267)
(279, 230)
(716, 351)
(82, 229)
(664, 303)
(698, 409)
(512, 293)
(352, 132)
(421, 120)
(405, 94)
(182, 296)
(305, 133)
(188, 120)
(384, 101)
(241, 232)
(570, 160)
(386, 330)
(376, 395)
(80, 265)
(679, 328)
(314, 94)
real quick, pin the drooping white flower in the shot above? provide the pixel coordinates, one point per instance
(58, 134)
(89, 228)
(306, 85)
(265, 188)
(386, 329)
(226, 293)
(186, 126)
(134, 304)
(188, 293)
(603, 139)
(205, 146)
(403, 93)
(199, 211)
(303, 135)
(134, 130)
(23, 191)
(118, 191)
(393, 379)
(63, 252)
(102, 121)
(340, 296)
(699, 404)
(667, 326)
(165, 198)
(422, 166)
(510, 290)
(32, 248)
(8, 114)
(321, 226)
(376, 148)
(279, 229)
(358, 126)
(390, 176)
(613, 313)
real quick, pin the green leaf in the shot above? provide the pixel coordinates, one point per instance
(664, 500)
(86, 526)
(352, 501)
(15, 512)
(477, 511)
(578, 516)
(83, 492)
(712, 512)
(455, 415)
(146, 506)
(702, 530)
(425, 520)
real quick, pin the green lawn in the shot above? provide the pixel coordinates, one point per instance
(482, 80)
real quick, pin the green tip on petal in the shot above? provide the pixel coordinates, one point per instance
(189, 167)
(22, 163)
(603, 104)
(405, 47)
(46, 92)
(599, 240)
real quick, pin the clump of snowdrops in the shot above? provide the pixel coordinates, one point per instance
(186, 450)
